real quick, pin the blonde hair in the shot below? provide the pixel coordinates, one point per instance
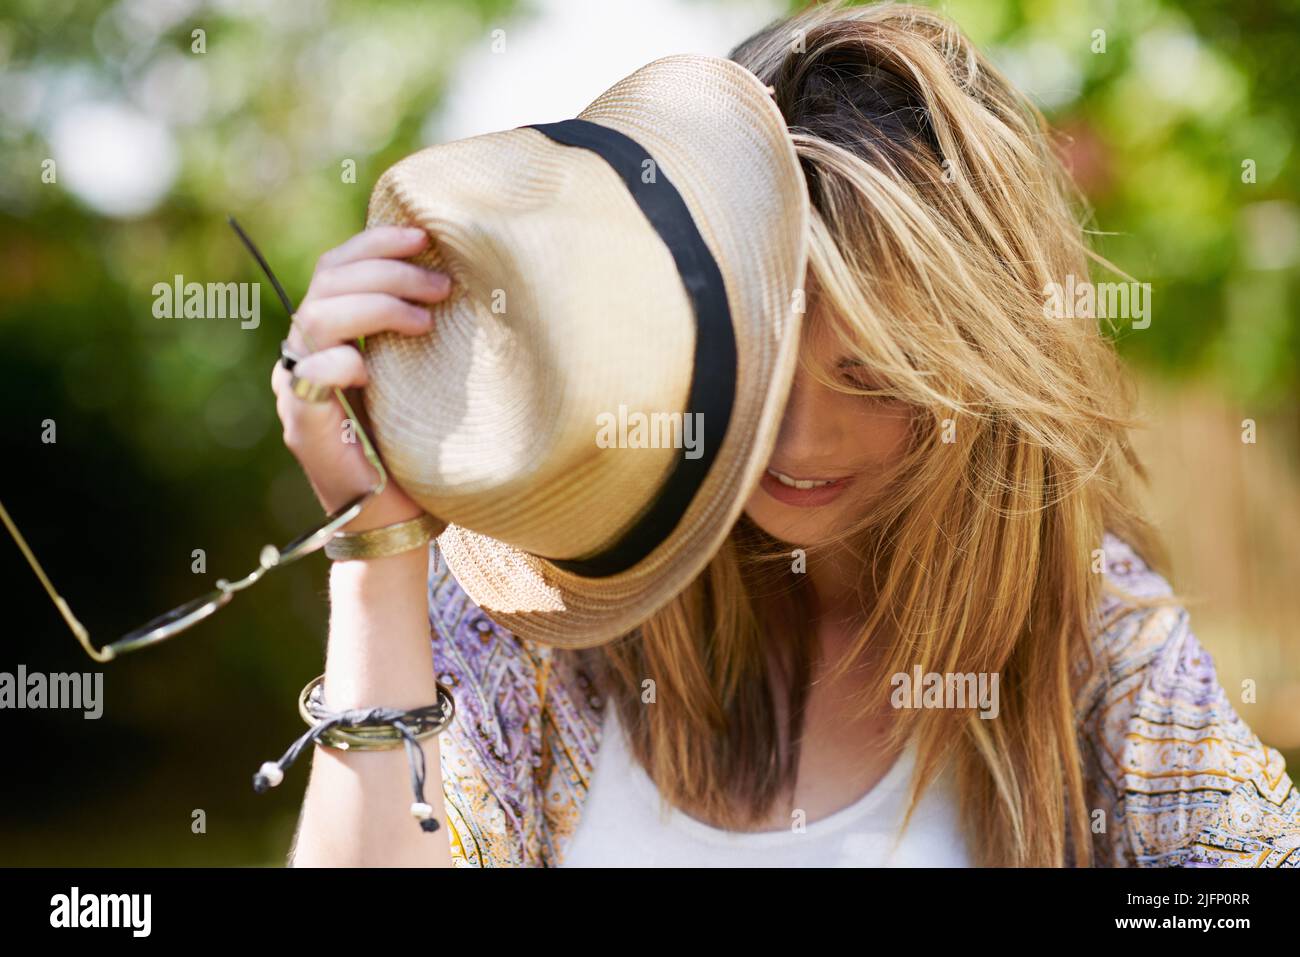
(941, 213)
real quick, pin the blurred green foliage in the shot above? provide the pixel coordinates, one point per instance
(1179, 121)
(167, 437)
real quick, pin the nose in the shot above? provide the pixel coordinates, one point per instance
(808, 429)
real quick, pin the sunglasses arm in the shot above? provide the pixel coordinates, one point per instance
(77, 628)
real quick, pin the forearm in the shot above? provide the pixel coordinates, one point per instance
(357, 808)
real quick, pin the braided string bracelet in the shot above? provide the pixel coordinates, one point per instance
(366, 729)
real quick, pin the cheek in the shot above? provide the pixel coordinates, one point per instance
(881, 431)
(870, 433)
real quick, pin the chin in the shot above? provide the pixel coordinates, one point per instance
(799, 527)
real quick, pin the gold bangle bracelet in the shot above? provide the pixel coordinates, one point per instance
(382, 542)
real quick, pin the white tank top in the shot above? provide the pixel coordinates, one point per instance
(621, 825)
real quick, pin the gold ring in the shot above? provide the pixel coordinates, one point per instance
(309, 391)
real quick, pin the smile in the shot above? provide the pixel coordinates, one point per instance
(799, 492)
(799, 483)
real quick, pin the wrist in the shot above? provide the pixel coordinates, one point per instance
(379, 644)
(389, 508)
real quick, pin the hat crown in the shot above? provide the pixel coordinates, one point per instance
(537, 410)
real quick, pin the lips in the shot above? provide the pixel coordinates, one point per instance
(802, 492)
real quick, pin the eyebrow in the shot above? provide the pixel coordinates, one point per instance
(849, 363)
(873, 382)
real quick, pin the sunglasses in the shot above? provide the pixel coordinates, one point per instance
(192, 612)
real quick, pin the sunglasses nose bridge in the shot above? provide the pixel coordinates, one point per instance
(251, 578)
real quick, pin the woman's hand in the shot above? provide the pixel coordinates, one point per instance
(358, 289)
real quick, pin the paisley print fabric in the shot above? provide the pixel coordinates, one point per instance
(1175, 777)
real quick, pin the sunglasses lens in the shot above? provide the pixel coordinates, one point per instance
(315, 539)
(172, 622)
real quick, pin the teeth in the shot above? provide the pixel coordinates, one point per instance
(796, 483)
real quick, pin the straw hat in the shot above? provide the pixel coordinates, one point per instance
(630, 278)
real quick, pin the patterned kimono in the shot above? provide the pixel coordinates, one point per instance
(1180, 777)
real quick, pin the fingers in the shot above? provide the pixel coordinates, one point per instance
(400, 279)
(340, 366)
(381, 242)
(306, 422)
(322, 323)
(359, 288)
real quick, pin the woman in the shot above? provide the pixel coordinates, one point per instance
(951, 493)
